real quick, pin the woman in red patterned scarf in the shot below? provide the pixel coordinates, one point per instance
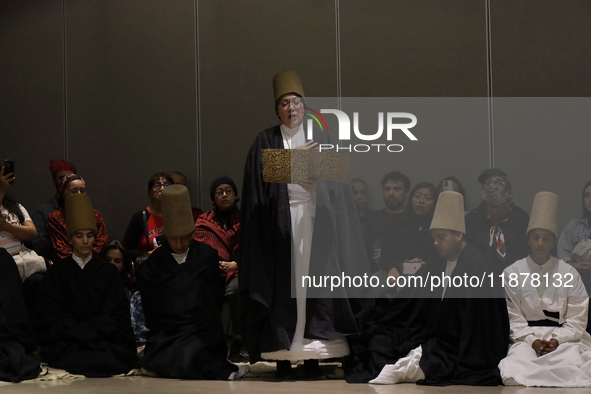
(219, 229)
(56, 222)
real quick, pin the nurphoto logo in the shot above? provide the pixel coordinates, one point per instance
(344, 130)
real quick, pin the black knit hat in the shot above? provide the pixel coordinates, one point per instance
(220, 181)
(485, 174)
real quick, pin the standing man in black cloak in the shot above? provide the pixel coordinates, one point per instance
(17, 360)
(182, 296)
(315, 225)
(83, 310)
(467, 329)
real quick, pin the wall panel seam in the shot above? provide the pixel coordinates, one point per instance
(491, 130)
(65, 80)
(198, 100)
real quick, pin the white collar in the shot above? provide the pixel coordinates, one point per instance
(81, 263)
(535, 267)
(180, 258)
(290, 132)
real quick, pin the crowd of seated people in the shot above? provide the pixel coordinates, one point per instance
(99, 307)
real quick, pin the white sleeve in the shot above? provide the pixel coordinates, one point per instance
(520, 330)
(576, 313)
(24, 212)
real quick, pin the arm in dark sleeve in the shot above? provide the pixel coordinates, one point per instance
(518, 248)
(392, 250)
(134, 233)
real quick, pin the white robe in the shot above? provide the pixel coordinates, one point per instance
(570, 364)
(303, 208)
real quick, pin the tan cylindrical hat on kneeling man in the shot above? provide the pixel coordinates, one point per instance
(79, 214)
(449, 212)
(544, 213)
(177, 214)
(285, 82)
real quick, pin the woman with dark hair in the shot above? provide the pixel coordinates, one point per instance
(219, 229)
(56, 222)
(145, 225)
(409, 245)
(575, 232)
(15, 227)
(115, 253)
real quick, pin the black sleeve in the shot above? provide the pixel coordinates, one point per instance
(519, 248)
(134, 233)
(392, 255)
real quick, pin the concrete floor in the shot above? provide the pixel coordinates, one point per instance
(260, 381)
(147, 385)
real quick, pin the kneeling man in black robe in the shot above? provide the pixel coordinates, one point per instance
(182, 296)
(83, 311)
(459, 333)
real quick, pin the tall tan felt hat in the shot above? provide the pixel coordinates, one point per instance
(79, 214)
(449, 212)
(287, 81)
(544, 213)
(177, 214)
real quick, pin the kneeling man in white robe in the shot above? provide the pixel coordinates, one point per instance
(548, 307)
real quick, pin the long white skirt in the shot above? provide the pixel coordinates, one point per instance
(567, 366)
(405, 370)
(302, 226)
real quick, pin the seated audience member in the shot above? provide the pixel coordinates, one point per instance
(116, 254)
(360, 195)
(497, 227)
(550, 346)
(451, 335)
(490, 172)
(182, 296)
(575, 232)
(409, 244)
(18, 361)
(42, 244)
(83, 313)
(395, 187)
(180, 179)
(58, 234)
(15, 227)
(219, 229)
(138, 319)
(456, 187)
(145, 226)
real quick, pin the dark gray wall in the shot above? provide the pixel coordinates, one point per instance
(32, 94)
(242, 45)
(131, 99)
(125, 89)
(538, 50)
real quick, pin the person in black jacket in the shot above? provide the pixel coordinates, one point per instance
(442, 335)
(83, 311)
(497, 227)
(182, 297)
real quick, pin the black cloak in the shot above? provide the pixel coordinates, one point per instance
(463, 337)
(84, 319)
(182, 305)
(17, 360)
(266, 272)
(468, 335)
